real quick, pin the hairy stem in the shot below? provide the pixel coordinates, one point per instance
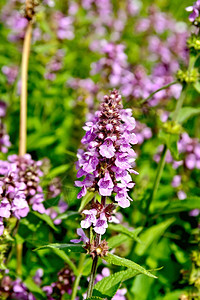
(77, 280)
(23, 98)
(92, 277)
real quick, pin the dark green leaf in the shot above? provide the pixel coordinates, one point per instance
(108, 293)
(108, 282)
(119, 261)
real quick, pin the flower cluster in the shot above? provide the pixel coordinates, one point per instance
(64, 26)
(54, 65)
(16, 289)
(108, 157)
(189, 150)
(142, 132)
(63, 285)
(86, 88)
(19, 188)
(12, 18)
(4, 137)
(195, 12)
(11, 73)
(54, 211)
(116, 71)
(98, 217)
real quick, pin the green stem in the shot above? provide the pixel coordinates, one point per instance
(164, 152)
(92, 277)
(77, 280)
(160, 89)
(157, 178)
(179, 104)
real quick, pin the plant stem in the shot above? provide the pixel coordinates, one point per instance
(23, 115)
(179, 104)
(158, 90)
(103, 200)
(19, 258)
(157, 178)
(77, 280)
(95, 260)
(92, 277)
(164, 152)
(23, 98)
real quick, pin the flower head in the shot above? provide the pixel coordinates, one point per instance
(108, 157)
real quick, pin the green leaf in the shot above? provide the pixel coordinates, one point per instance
(66, 259)
(67, 215)
(119, 261)
(86, 199)
(197, 86)
(95, 298)
(117, 240)
(171, 141)
(131, 233)
(108, 282)
(172, 295)
(186, 113)
(151, 235)
(58, 171)
(46, 219)
(108, 293)
(36, 141)
(69, 247)
(34, 288)
(178, 206)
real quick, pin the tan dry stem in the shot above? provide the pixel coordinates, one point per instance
(23, 99)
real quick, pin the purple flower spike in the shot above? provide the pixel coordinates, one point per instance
(107, 157)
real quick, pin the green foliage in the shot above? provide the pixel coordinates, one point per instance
(86, 199)
(131, 233)
(119, 261)
(108, 284)
(69, 247)
(163, 236)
